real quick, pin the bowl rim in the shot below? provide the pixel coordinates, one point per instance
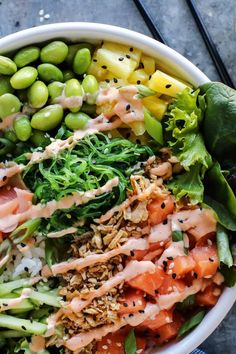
(197, 77)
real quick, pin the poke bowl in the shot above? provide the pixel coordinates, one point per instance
(112, 237)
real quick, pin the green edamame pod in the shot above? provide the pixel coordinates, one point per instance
(75, 121)
(82, 61)
(54, 52)
(10, 135)
(90, 86)
(73, 49)
(47, 118)
(5, 86)
(6, 146)
(40, 138)
(9, 104)
(74, 89)
(22, 128)
(68, 74)
(24, 78)
(27, 55)
(88, 108)
(37, 94)
(7, 66)
(55, 89)
(49, 73)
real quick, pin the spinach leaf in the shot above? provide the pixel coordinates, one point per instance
(188, 302)
(229, 275)
(221, 213)
(189, 185)
(223, 248)
(191, 323)
(130, 343)
(218, 189)
(219, 126)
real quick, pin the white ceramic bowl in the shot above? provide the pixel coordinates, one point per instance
(171, 62)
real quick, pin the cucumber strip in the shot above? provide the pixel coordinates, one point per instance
(7, 288)
(24, 305)
(19, 324)
(144, 91)
(13, 334)
(47, 299)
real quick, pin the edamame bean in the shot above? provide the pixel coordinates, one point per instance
(49, 72)
(47, 118)
(24, 78)
(40, 138)
(75, 121)
(54, 52)
(7, 66)
(73, 48)
(55, 89)
(90, 86)
(38, 94)
(9, 104)
(82, 61)
(72, 89)
(10, 135)
(68, 74)
(5, 86)
(6, 146)
(27, 55)
(22, 128)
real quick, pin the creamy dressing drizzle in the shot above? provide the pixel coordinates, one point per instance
(132, 269)
(61, 233)
(7, 122)
(160, 232)
(174, 250)
(78, 264)
(37, 344)
(10, 171)
(70, 102)
(46, 210)
(11, 303)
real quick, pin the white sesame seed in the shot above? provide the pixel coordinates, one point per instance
(47, 16)
(41, 12)
(209, 242)
(161, 243)
(139, 302)
(108, 341)
(118, 344)
(170, 272)
(171, 265)
(105, 347)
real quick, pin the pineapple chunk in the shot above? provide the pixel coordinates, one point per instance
(156, 106)
(113, 80)
(123, 50)
(96, 69)
(148, 64)
(106, 109)
(139, 76)
(118, 65)
(165, 84)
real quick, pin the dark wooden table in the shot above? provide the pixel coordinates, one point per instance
(180, 32)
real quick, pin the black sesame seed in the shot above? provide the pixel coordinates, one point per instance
(107, 80)
(138, 141)
(141, 311)
(22, 244)
(127, 107)
(121, 59)
(164, 263)
(13, 257)
(40, 272)
(26, 269)
(131, 49)
(132, 253)
(170, 258)
(134, 304)
(181, 221)
(168, 85)
(130, 315)
(23, 327)
(156, 291)
(195, 275)
(127, 56)
(173, 275)
(138, 82)
(125, 304)
(211, 259)
(96, 286)
(4, 178)
(165, 222)
(115, 80)
(141, 66)
(104, 67)
(95, 60)
(150, 76)
(5, 304)
(163, 205)
(64, 297)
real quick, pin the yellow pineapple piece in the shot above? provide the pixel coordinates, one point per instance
(117, 64)
(139, 76)
(114, 81)
(149, 64)
(166, 84)
(123, 50)
(96, 69)
(106, 109)
(155, 105)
